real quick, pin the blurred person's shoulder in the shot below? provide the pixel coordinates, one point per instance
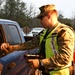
(63, 29)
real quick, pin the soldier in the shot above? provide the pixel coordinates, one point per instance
(56, 43)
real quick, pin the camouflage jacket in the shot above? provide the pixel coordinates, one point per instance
(65, 46)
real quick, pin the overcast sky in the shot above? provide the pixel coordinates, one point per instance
(67, 7)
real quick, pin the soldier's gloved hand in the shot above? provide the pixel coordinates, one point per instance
(6, 47)
(35, 62)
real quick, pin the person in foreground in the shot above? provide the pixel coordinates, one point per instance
(56, 43)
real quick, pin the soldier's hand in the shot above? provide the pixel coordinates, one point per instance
(35, 62)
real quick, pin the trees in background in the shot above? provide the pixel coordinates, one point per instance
(66, 21)
(17, 10)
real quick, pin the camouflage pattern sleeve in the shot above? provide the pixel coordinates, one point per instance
(28, 45)
(65, 47)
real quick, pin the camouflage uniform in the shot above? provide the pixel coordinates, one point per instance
(65, 41)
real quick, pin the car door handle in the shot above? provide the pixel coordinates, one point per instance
(11, 65)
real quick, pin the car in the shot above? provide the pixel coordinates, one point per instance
(13, 63)
(32, 33)
(35, 31)
(28, 34)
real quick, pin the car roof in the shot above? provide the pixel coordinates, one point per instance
(6, 21)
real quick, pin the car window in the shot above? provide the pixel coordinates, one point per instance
(15, 34)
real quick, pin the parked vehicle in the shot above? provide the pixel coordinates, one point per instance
(36, 31)
(13, 63)
(28, 35)
(32, 33)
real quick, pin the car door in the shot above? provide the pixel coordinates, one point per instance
(13, 63)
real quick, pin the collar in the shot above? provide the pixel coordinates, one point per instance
(49, 30)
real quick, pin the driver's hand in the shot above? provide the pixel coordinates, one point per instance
(6, 47)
